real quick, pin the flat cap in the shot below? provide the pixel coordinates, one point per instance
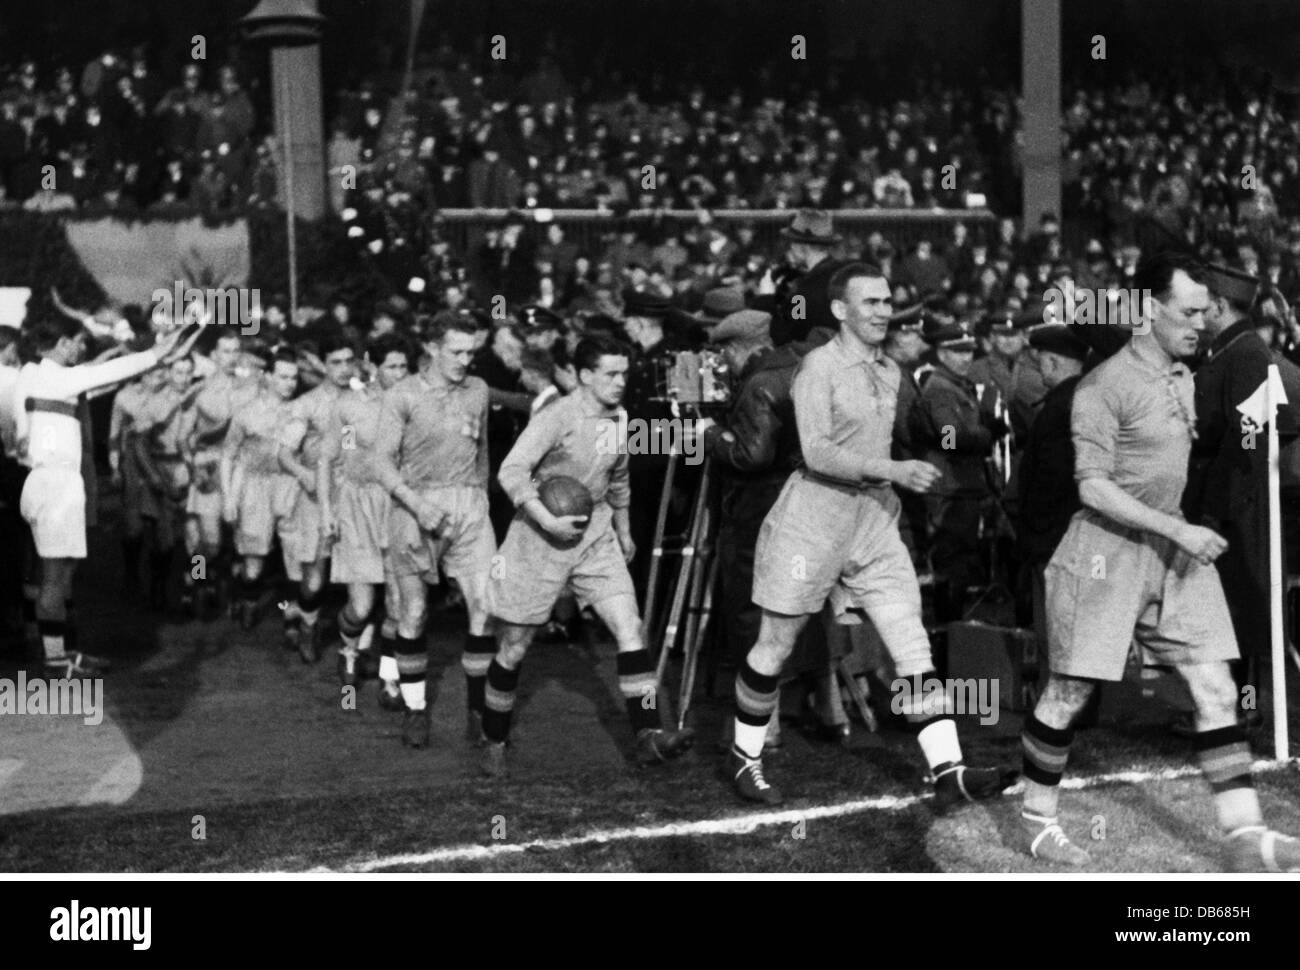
(746, 326)
(720, 302)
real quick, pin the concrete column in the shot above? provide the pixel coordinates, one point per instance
(1040, 58)
(295, 73)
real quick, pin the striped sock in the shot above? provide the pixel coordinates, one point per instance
(1046, 750)
(1224, 757)
(636, 682)
(499, 701)
(51, 633)
(350, 629)
(757, 696)
(309, 606)
(412, 669)
(475, 661)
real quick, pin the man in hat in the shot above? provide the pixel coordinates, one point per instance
(956, 435)
(541, 325)
(801, 301)
(757, 447)
(1130, 566)
(719, 303)
(995, 372)
(833, 535)
(905, 346)
(1227, 481)
(645, 323)
(1048, 495)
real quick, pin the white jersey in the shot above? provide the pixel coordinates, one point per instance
(45, 404)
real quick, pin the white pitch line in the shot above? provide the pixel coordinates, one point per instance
(746, 824)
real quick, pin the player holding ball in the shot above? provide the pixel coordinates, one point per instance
(545, 552)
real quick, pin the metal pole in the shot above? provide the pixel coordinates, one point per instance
(289, 204)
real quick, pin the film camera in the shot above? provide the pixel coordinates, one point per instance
(693, 378)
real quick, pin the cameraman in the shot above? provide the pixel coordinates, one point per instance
(646, 318)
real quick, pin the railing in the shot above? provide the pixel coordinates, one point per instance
(903, 228)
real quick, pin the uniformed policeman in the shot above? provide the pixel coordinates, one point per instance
(1131, 567)
(957, 436)
(905, 346)
(1227, 482)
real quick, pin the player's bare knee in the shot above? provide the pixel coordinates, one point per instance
(1062, 700)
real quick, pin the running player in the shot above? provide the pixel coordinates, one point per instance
(355, 509)
(1132, 568)
(257, 494)
(311, 413)
(223, 394)
(431, 456)
(544, 554)
(834, 532)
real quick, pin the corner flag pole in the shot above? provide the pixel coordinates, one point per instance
(1274, 398)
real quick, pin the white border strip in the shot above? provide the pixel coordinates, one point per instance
(747, 824)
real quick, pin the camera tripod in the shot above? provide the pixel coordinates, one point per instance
(693, 589)
(693, 585)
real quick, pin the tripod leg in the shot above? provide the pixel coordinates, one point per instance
(693, 536)
(657, 552)
(695, 643)
(859, 697)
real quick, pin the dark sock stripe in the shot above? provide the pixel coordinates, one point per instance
(1055, 737)
(29, 610)
(1219, 738)
(310, 602)
(1043, 777)
(412, 659)
(387, 646)
(349, 625)
(51, 628)
(634, 662)
(1239, 781)
(499, 689)
(758, 683)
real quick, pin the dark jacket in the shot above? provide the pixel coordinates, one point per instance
(949, 414)
(758, 436)
(1049, 495)
(803, 302)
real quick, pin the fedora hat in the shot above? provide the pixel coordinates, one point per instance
(812, 226)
